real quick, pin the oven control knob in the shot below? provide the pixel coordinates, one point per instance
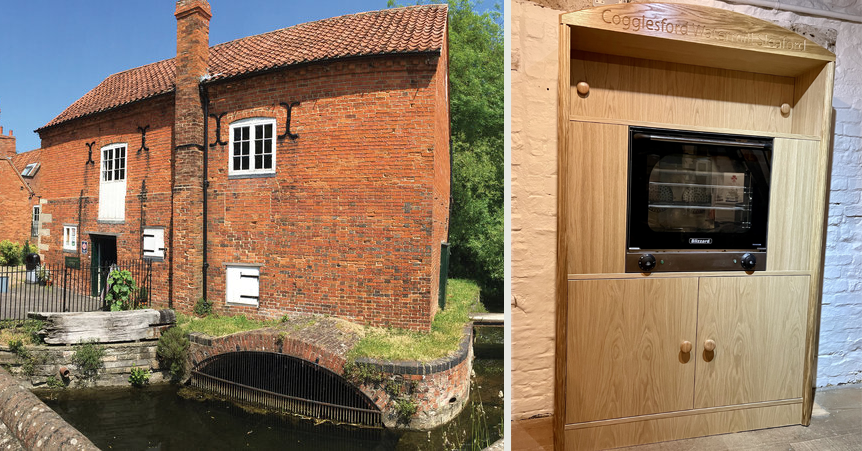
(748, 262)
(646, 262)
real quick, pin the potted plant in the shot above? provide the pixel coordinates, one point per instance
(44, 277)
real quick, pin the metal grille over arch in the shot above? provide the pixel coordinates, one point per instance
(285, 383)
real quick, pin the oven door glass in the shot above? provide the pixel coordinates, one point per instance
(697, 190)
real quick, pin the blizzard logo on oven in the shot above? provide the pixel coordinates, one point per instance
(700, 241)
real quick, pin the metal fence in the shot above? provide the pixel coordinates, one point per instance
(57, 288)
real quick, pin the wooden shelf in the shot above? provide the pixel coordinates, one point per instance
(664, 275)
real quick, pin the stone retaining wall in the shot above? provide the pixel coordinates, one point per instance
(117, 364)
(29, 424)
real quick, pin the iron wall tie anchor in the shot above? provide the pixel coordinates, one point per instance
(287, 133)
(90, 153)
(218, 140)
(143, 138)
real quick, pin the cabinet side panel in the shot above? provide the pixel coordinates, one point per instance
(809, 91)
(792, 197)
(758, 326)
(679, 94)
(595, 206)
(624, 347)
(675, 428)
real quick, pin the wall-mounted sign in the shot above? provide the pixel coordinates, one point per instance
(84, 247)
(73, 262)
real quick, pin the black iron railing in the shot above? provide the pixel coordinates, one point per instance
(287, 384)
(57, 288)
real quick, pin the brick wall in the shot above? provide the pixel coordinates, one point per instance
(70, 188)
(534, 161)
(346, 226)
(7, 144)
(16, 211)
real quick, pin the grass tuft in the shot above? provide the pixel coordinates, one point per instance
(446, 330)
(218, 326)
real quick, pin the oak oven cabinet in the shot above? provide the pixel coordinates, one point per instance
(650, 356)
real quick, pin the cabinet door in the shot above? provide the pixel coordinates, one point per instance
(623, 347)
(758, 327)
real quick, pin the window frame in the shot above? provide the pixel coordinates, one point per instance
(251, 123)
(255, 273)
(69, 245)
(104, 161)
(30, 170)
(34, 221)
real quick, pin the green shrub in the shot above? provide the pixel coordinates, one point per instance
(17, 348)
(139, 376)
(405, 408)
(10, 253)
(361, 373)
(28, 249)
(54, 382)
(173, 350)
(122, 286)
(203, 307)
(88, 358)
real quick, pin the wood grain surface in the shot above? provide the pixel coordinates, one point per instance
(791, 197)
(679, 94)
(678, 427)
(595, 197)
(758, 325)
(623, 347)
(694, 34)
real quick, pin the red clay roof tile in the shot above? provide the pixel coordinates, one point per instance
(412, 29)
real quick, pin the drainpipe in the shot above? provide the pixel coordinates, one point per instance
(777, 5)
(205, 100)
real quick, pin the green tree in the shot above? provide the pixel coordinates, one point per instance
(476, 89)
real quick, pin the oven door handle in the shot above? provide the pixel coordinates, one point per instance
(680, 140)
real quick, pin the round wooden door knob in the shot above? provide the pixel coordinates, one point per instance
(583, 88)
(685, 347)
(709, 345)
(785, 108)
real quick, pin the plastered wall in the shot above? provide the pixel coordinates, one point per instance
(534, 179)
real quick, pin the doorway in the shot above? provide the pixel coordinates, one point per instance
(103, 254)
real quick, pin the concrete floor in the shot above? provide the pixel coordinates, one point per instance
(835, 426)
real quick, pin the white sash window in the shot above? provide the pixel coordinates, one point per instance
(112, 185)
(252, 146)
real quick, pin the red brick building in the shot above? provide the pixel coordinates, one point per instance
(19, 201)
(319, 182)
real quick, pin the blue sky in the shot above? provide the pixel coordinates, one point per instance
(53, 52)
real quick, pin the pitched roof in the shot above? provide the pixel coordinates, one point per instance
(413, 29)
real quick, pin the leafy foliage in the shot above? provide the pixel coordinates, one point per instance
(203, 307)
(476, 88)
(88, 358)
(362, 374)
(10, 253)
(139, 376)
(405, 407)
(122, 288)
(54, 382)
(173, 349)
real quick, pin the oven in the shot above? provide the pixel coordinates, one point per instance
(697, 201)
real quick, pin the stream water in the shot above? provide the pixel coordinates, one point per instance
(158, 418)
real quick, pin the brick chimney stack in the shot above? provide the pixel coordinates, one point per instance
(7, 144)
(192, 61)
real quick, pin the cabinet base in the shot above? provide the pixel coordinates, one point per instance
(617, 433)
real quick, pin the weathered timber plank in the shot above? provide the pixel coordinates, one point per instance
(105, 327)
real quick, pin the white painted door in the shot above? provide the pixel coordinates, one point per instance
(112, 185)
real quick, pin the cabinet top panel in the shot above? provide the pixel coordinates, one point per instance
(696, 35)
